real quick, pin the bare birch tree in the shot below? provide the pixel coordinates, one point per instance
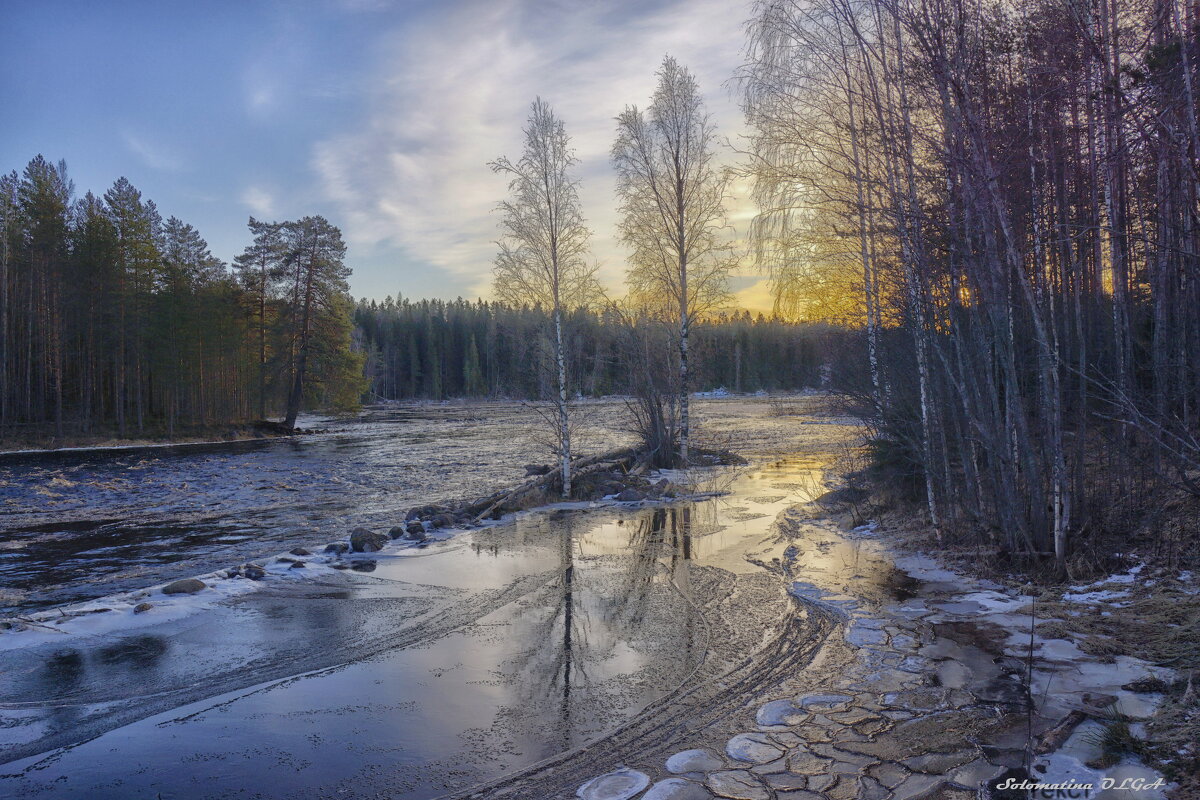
(672, 205)
(544, 243)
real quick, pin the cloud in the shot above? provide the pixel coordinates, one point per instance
(152, 154)
(260, 202)
(453, 94)
(757, 297)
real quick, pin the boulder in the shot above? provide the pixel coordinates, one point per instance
(396, 531)
(337, 548)
(364, 540)
(185, 586)
(141, 608)
(442, 521)
(536, 469)
(363, 565)
(415, 530)
(423, 511)
(300, 551)
(298, 565)
(254, 572)
(631, 495)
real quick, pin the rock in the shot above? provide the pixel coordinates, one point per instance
(805, 762)
(340, 565)
(620, 784)
(423, 511)
(753, 747)
(300, 551)
(823, 702)
(364, 540)
(780, 712)
(819, 783)
(397, 531)
(337, 548)
(737, 784)
(631, 496)
(363, 565)
(254, 572)
(298, 565)
(286, 560)
(770, 767)
(185, 586)
(536, 469)
(142, 608)
(442, 521)
(415, 533)
(694, 761)
(938, 763)
(889, 774)
(846, 788)
(677, 789)
(870, 789)
(787, 781)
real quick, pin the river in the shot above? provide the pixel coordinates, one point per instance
(517, 660)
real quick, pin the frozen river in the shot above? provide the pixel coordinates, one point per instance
(735, 646)
(78, 525)
(418, 672)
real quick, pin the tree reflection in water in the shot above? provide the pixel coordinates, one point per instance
(602, 601)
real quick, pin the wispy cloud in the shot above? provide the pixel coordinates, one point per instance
(260, 202)
(153, 154)
(455, 95)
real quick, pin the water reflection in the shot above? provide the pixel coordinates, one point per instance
(441, 668)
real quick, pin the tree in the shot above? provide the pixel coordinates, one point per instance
(315, 254)
(138, 260)
(260, 266)
(544, 243)
(672, 205)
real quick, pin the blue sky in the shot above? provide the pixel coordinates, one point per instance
(380, 115)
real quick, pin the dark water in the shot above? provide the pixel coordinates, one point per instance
(74, 526)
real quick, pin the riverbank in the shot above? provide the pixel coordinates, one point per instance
(1136, 610)
(35, 444)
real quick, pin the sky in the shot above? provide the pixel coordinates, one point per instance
(380, 115)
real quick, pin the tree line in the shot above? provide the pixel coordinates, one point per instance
(1012, 191)
(434, 349)
(114, 321)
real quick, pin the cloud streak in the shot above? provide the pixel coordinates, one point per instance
(453, 95)
(152, 154)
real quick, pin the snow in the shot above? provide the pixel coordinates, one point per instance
(1098, 596)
